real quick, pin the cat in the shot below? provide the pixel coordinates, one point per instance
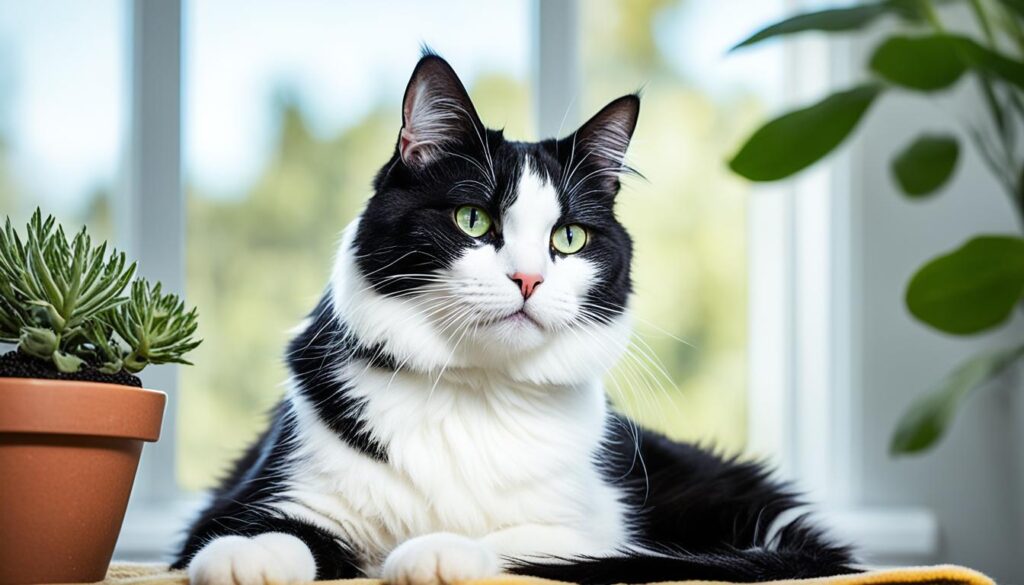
(445, 418)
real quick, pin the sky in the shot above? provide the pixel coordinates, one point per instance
(63, 73)
(62, 96)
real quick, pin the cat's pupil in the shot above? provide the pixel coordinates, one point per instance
(568, 235)
(472, 218)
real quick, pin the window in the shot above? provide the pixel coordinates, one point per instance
(290, 110)
(62, 111)
(289, 114)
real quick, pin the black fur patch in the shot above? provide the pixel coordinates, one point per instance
(315, 356)
(701, 516)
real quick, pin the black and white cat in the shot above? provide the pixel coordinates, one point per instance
(445, 417)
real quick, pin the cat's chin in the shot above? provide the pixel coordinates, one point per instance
(515, 332)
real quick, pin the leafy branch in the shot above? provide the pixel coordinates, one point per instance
(975, 287)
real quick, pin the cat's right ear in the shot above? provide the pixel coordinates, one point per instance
(436, 113)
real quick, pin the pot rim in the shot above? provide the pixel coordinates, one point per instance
(70, 407)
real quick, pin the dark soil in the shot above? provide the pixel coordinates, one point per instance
(15, 364)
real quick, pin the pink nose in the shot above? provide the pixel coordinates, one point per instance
(526, 282)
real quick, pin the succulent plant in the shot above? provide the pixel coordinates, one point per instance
(155, 326)
(64, 302)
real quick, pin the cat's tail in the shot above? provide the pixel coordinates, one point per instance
(799, 552)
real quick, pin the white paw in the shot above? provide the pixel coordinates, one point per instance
(268, 559)
(439, 559)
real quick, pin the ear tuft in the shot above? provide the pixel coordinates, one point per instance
(436, 112)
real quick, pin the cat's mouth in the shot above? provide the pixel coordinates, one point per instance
(520, 317)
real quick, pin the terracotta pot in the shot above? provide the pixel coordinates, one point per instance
(68, 455)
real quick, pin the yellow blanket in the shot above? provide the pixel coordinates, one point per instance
(152, 574)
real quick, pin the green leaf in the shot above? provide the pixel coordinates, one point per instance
(67, 362)
(925, 63)
(111, 367)
(800, 138)
(926, 164)
(47, 314)
(929, 416)
(985, 60)
(828, 20)
(155, 327)
(972, 288)
(38, 342)
(1016, 6)
(934, 62)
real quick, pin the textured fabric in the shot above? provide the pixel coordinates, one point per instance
(156, 574)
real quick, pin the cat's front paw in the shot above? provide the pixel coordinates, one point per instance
(267, 559)
(439, 559)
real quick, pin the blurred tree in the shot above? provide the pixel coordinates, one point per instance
(7, 190)
(688, 221)
(623, 32)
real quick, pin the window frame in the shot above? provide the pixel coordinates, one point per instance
(803, 327)
(150, 227)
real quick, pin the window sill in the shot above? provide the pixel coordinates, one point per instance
(881, 536)
(152, 532)
(888, 536)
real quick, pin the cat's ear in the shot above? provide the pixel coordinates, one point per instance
(436, 113)
(602, 141)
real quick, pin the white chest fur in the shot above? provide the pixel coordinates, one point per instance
(467, 454)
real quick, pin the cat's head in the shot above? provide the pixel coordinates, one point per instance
(476, 251)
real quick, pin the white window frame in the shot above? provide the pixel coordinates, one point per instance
(150, 223)
(802, 324)
(804, 329)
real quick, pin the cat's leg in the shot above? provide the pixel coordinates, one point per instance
(440, 558)
(276, 551)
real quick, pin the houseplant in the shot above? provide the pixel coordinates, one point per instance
(73, 414)
(975, 287)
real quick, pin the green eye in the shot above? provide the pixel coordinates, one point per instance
(569, 239)
(473, 220)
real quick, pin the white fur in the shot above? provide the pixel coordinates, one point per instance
(491, 425)
(472, 457)
(272, 558)
(439, 558)
(430, 118)
(527, 226)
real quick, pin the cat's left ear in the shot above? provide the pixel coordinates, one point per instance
(602, 141)
(436, 113)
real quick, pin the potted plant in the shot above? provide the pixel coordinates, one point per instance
(975, 287)
(73, 413)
